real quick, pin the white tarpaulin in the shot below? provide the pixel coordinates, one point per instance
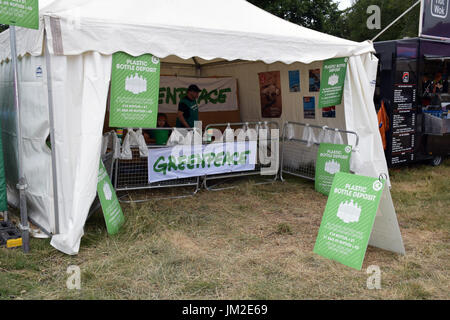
(185, 161)
(194, 37)
(218, 94)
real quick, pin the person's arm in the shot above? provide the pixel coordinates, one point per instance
(182, 120)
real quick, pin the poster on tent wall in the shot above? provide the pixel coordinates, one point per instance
(294, 81)
(435, 19)
(218, 94)
(309, 107)
(3, 199)
(332, 83)
(112, 211)
(331, 159)
(349, 218)
(21, 13)
(270, 92)
(134, 91)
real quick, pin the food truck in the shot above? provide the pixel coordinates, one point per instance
(412, 90)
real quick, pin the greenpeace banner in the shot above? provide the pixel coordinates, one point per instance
(193, 161)
(218, 94)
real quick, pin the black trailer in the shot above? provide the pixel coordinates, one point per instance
(413, 84)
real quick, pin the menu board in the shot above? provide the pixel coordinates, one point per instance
(404, 117)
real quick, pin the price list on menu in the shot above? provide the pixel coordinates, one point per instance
(404, 124)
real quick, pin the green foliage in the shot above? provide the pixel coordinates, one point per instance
(325, 16)
(408, 26)
(320, 15)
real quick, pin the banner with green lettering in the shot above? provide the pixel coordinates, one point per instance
(331, 158)
(181, 162)
(112, 211)
(218, 94)
(3, 198)
(332, 82)
(134, 91)
(349, 218)
(21, 13)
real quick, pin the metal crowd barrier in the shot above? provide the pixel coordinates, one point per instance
(132, 175)
(299, 156)
(221, 179)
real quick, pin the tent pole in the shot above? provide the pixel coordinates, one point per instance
(22, 183)
(52, 133)
(393, 22)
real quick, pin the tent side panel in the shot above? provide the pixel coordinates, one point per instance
(35, 131)
(34, 123)
(360, 116)
(80, 88)
(8, 119)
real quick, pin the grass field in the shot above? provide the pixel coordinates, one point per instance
(253, 242)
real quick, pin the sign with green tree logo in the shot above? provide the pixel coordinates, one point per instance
(331, 159)
(112, 211)
(21, 13)
(349, 218)
(332, 82)
(134, 91)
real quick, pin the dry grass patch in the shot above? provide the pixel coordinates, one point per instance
(252, 242)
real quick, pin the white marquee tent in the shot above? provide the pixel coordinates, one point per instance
(82, 35)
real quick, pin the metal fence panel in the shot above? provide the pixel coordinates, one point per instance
(298, 155)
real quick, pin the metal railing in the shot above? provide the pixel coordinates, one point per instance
(298, 155)
(229, 179)
(132, 175)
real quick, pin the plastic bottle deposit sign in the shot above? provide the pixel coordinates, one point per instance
(112, 211)
(331, 159)
(134, 91)
(332, 82)
(348, 218)
(21, 13)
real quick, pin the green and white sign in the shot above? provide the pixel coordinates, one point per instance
(21, 13)
(134, 91)
(332, 82)
(349, 218)
(112, 211)
(331, 159)
(181, 162)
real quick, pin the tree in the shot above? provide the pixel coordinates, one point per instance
(408, 26)
(320, 15)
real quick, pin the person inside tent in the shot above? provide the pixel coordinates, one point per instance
(159, 137)
(188, 108)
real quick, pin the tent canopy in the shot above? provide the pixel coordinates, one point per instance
(180, 28)
(76, 71)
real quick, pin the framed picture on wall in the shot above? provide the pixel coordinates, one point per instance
(329, 112)
(309, 107)
(270, 92)
(294, 81)
(314, 80)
